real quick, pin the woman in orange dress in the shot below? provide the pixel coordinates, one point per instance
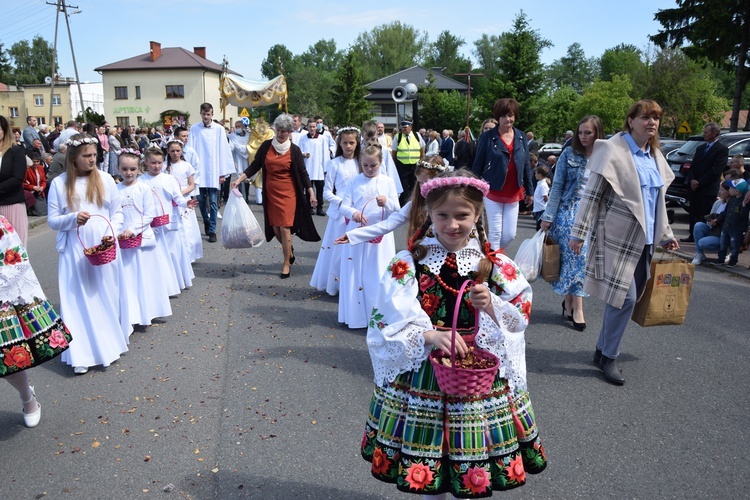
(285, 179)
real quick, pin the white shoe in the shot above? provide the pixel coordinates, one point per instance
(80, 370)
(218, 215)
(32, 419)
(698, 258)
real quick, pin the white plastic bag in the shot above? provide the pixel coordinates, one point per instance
(239, 228)
(529, 256)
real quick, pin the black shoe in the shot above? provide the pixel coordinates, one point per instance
(731, 263)
(212, 238)
(716, 262)
(611, 369)
(570, 316)
(320, 212)
(285, 275)
(687, 240)
(205, 228)
(598, 358)
(578, 326)
(292, 258)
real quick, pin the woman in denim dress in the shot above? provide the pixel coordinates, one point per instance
(565, 196)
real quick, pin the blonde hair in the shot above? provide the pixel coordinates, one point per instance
(374, 150)
(94, 186)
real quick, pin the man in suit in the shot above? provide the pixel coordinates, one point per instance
(704, 176)
(30, 133)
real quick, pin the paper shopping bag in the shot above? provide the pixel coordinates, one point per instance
(667, 294)
(550, 260)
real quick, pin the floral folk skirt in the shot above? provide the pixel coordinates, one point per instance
(428, 442)
(30, 335)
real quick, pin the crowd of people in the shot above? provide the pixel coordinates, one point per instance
(602, 201)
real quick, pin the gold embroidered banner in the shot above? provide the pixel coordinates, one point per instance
(251, 94)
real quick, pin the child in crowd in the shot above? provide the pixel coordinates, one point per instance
(368, 197)
(541, 193)
(388, 167)
(707, 234)
(189, 155)
(734, 219)
(169, 201)
(144, 281)
(84, 203)
(32, 332)
(412, 212)
(417, 436)
(183, 171)
(340, 170)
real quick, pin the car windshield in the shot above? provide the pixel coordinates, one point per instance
(688, 148)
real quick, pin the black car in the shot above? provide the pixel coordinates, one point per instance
(680, 160)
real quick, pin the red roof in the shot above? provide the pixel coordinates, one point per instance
(741, 122)
(171, 58)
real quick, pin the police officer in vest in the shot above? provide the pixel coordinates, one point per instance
(407, 149)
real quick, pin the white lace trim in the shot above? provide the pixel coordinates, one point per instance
(402, 355)
(466, 258)
(19, 285)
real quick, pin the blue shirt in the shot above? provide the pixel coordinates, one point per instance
(651, 183)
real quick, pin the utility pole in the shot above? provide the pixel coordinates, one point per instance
(468, 76)
(53, 71)
(62, 7)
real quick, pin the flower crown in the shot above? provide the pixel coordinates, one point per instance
(429, 166)
(175, 141)
(344, 130)
(446, 182)
(79, 142)
(129, 151)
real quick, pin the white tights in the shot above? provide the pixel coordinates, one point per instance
(20, 381)
(502, 219)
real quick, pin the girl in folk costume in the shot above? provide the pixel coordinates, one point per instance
(84, 203)
(413, 212)
(340, 170)
(168, 196)
(31, 332)
(370, 196)
(181, 170)
(143, 265)
(417, 436)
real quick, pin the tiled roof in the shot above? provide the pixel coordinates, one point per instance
(418, 76)
(171, 58)
(741, 121)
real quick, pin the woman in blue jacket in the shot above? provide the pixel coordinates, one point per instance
(502, 159)
(567, 187)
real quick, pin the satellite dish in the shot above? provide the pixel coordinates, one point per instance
(411, 91)
(47, 80)
(399, 94)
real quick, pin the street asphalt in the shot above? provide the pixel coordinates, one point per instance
(253, 390)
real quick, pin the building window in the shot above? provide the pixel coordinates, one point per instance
(56, 100)
(137, 91)
(14, 112)
(139, 120)
(121, 92)
(40, 120)
(38, 100)
(57, 119)
(123, 121)
(175, 91)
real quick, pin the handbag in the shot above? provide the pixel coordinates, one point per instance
(550, 260)
(529, 256)
(667, 294)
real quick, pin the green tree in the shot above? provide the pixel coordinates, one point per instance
(487, 52)
(270, 68)
(556, 113)
(30, 62)
(718, 31)
(624, 59)
(323, 55)
(684, 90)
(520, 69)
(389, 48)
(349, 104)
(443, 53)
(91, 117)
(573, 70)
(609, 100)
(5, 67)
(453, 106)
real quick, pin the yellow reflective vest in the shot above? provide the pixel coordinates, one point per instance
(408, 153)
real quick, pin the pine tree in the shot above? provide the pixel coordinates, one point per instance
(349, 104)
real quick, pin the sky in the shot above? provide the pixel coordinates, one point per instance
(104, 32)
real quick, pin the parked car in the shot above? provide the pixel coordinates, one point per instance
(681, 159)
(669, 145)
(551, 148)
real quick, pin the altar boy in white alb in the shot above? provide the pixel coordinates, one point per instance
(210, 143)
(315, 149)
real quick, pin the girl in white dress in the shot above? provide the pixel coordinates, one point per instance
(184, 172)
(340, 170)
(90, 298)
(368, 198)
(169, 200)
(147, 293)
